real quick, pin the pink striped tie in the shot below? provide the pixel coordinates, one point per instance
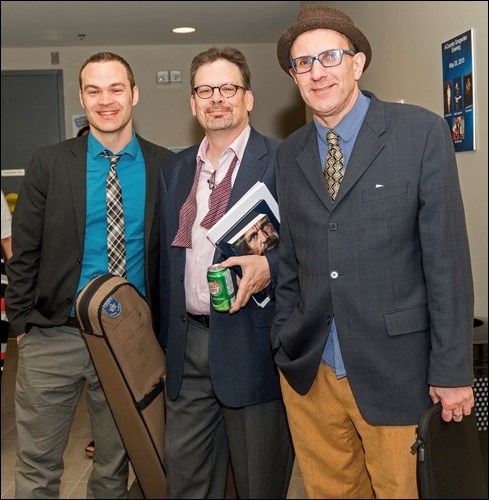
(188, 212)
(218, 202)
(219, 198)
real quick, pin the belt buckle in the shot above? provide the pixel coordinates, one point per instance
(203, 319)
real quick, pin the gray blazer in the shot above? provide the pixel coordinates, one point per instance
(389, 260)
(48, 232)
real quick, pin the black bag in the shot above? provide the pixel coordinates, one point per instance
(449, 459)
(115, 320)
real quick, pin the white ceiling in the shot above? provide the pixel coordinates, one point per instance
(58, 24)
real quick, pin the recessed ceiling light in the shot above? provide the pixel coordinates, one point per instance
(183, 29)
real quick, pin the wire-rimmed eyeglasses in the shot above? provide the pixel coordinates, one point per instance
(226, 90)
(327, 59)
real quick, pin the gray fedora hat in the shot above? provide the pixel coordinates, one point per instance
(318, 16)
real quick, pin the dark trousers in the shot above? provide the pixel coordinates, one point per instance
(202, 435)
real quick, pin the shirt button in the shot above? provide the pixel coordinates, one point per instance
(333, 226)
(334, 275)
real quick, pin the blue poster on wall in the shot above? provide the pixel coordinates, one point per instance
(458, 90)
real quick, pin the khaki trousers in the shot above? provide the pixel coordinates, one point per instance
(339, 453)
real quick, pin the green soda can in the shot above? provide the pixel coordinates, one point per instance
(221, 287)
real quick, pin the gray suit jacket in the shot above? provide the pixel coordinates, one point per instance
(48, 232)
(389, 260)
(240, 356)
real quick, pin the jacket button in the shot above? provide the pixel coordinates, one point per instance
(334, 275)
(333, 226)
(181, 278)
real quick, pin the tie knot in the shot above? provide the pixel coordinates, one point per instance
(332, 138)
(113, 158)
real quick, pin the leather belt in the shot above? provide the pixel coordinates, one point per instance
(203, 319)
(72, 322)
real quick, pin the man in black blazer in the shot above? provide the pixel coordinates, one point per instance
(59, 244)
(374, 297)
(222, 385)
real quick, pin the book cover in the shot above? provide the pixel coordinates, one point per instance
(250, 227)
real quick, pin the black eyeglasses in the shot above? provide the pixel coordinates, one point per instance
(226, 90)
(327, 59)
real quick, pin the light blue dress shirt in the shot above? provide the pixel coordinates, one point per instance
(348, 130)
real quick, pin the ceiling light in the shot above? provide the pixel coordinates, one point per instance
(183, 29)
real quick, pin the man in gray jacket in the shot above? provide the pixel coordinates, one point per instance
(374, 298)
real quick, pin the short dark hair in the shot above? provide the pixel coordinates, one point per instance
(107, 57)
(214, 54)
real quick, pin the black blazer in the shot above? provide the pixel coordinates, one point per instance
(240, 357)
(48, 232)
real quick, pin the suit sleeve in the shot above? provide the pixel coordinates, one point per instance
(27, 235)
(446, 262)
(287, 291)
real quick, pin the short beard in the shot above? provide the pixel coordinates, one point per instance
(219, 124)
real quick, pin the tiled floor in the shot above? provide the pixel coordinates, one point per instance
(77, 464)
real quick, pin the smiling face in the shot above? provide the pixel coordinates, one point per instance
(329, 92)
(221, 113)
(107, 98)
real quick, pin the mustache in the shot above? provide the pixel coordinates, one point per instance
(219, 107)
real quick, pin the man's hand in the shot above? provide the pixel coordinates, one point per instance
(256, 276)
(456, 401)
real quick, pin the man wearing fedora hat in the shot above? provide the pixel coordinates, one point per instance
(374, 302)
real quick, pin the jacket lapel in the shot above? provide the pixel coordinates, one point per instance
(368, 145)
(77, 170)
(310, 164)
(152, 180)
(251, 169)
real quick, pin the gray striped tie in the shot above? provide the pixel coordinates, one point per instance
(116, 244)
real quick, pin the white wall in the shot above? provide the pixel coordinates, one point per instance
(406, 40)
(163, 114)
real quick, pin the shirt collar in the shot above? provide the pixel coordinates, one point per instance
(237, 147)
(347, 128)
(95, 147)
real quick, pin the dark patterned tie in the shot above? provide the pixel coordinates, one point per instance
(218, 202)
(116, 244)
(334, 168)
